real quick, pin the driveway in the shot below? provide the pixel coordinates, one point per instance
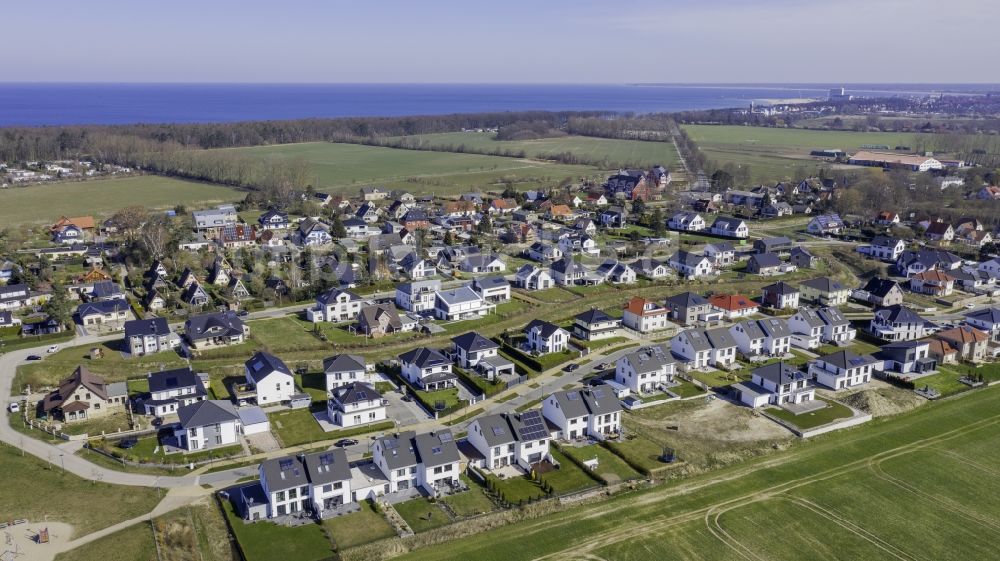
(404, 412)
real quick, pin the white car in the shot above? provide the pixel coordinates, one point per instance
(14, 407)
(52, 349)
(970, 306)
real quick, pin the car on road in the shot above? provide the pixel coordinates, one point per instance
(345, 442)
(52, 349)
(570, 367)
(603, 366)
(970, 306)
(34, 357)
(243, 313)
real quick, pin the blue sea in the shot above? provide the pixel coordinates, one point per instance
(77, 104)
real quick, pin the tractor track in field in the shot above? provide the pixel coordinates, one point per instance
(713, 513)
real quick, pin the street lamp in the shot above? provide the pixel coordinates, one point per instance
(62, 462)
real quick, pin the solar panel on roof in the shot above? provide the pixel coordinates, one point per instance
(326, 459)
(362, 395)
(444, 437)
(498, 431)
(391, 444)
(573, 396)
(285, 464)
(436, 450)
(598, 392)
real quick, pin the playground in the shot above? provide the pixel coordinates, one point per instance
(32, 541)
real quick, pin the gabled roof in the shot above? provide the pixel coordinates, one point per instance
(172, 379)
(284, 473)
(639, 306)
(720, 338)
(331, 296)
(328, 466)
(899, 314)
(144, 327)
(780, 288)
(880, 287)
(986, 315)
(832, 316)
(263, 364)
(846, 359)
(398, 450)
(544, 328)
(779, 373)
(732, 302)
(774, 327)
(964, 334)
(593, 315)
(825, 284)
(207, 412)
(424, 357)
(766, 260)
(649, 359)
(496, 430)
(355, 392)
(436, 448)
(686, 300)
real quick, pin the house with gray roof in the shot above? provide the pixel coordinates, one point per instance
(986, 319)
(215, 329)
(688, 308)
(899, 323)
(270, 377)
(581, 413)
(206, 424)
(170, 390)
(460, 304)
(544, 337)
(313, 483)
(764, 264)
(645, 369)
(775, 384)
(594, 324)
(762, 337)
(335, 305)
(494, 289)
(355, 404)
(408, 460)
(701, 348)
(417, 296)
(842, 370)
(730, 228)
(427, 369)
(344, 369)
(510, 439)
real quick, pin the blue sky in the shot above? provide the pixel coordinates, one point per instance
(549, 41)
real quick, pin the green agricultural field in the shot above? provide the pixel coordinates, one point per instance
(345, 168)
(777, 154)
(616, 153)
(102, 197)
(915, 486)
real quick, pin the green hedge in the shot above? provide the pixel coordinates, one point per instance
(485, 386)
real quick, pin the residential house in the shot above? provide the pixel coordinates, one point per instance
(594, 324)
(645, 316)
(578, 243)
(987, 320)
(84, 396)
(343, 369)
(270, 377)
(733, 306)
(595, 413)
(700, 348)
(355, 404)
(691, 265)
(688, 308)
(650, 268)
(842, 370)
(777, 245)
(730, 227)
(108, 313)
(377, 320)
(775, 384)
(885, 248)
(543, 252)
(510, 439)
(616, 272)
(273, 220)
(881, 292)
(764, 264)
(237, 236)
(910, 263)
(149, 336)
(567, 272)
(812, 327)
(313, 233)
(460, 303)
(482, 263)
(418, 296)
(721, 254)
(207, 424)
(530, 277)
(614, 217)
(544, 337)
(335, 305)
(214, 330)
(429, 461)
(906, 357)
(800, 258)
(899, 323)
(971, 343)
(373, 193)
(762, 337)
(940, 232)
(427, 369)
(216, 218)
(495, 290)
(169, 390)
(941, 352)
(314, 483)
(472, 351)
(776, 210)
(645, 369)
(825, 225)
(933, 283)
(686, 221)
(780, 296)
(824, 291)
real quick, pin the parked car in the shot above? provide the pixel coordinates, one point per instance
(345, 442)
(34, 357)
(570, 367)
(52, 349)
(970, 306)
(243, 313)
(14, 407)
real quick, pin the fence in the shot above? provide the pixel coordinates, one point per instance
(516, 381)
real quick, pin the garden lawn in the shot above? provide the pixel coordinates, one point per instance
(639, 452)
(516, 490)
(832, 412)
(610, 467)
(357, 528)
(297, 426)
(134, 543)
(284, 334)
(569, 478)
(471, 502)
(421, 515)
(264, 541)
(687, 389)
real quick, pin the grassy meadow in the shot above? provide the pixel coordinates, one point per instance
(345, 168)
(914, 486)
(45, 203)
(779, 154)
(615, 152)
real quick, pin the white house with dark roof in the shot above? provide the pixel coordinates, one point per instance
(207, 424)
(824, 291)
(567, 272)
(408, 461)
(493, 289)
(214, 330)
(149, 336)
(355, 404)
(418, 296)
(691, 265)
(645, 369)
(510, 439)
(721, 254)
(169, 390)
(899, 323)
(594, 324)
(651, 268)
(472, 351)
(544, 337)
(530, 277)
(270, 377)
(578, 413)
(460, 304)
(842, 370)
(986, 319)
(314, 483)
(686, 221)
(780, 296)
(701, 348)
(335, 305)
(775, 384)
(762, 337)
(343, 369)
(427, 369)
(885, 248)
(730, 228)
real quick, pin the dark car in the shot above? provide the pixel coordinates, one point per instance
(345, 442)
(34, 357)
(243, 313)
(570, 367)
(127, 443)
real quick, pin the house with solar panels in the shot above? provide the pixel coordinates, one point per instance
(355, 404)
(271, 378)
(510, 439)
(645, 369)
(312, 483)
(408, 461)
(581, 413)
